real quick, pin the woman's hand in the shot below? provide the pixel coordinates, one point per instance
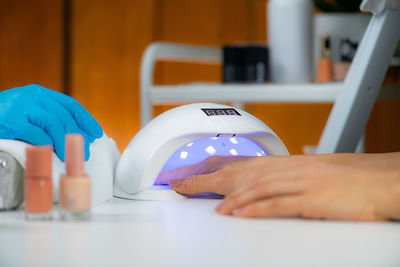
(333, 186)
(319, 191)
(198, 181)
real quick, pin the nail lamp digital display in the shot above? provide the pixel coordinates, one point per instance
(187, 135)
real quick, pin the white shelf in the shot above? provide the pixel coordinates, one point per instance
(254, 93)
(300, 93)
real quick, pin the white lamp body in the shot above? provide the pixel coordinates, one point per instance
(150, 149)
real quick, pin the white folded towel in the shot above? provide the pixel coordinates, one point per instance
(100, 167)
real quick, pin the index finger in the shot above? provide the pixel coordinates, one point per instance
(208, 165)
(215, 182)
(178, 173)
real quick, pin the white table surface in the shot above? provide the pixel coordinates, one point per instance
(189, 233)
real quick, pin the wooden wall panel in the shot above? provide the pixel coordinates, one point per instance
(383, 129)
(209, 22)
(31, 43)
(297, 125)
(108, 40)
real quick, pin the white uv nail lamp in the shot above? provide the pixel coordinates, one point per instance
(187, 135)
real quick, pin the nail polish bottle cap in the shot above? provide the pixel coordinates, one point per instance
(74, 155)
(38, 162)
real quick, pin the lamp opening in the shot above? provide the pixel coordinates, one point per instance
(201, 149)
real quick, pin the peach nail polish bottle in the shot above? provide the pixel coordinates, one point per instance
(38, 183)
(75, 187)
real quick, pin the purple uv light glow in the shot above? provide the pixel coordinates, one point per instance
(199, 150)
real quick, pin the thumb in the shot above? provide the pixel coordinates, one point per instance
(196, 184)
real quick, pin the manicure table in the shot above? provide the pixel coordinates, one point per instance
(189, 233)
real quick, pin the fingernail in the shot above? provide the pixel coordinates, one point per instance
(237, 212)
(223, 208)
(175, 183)
(241, 213)
(220, 207)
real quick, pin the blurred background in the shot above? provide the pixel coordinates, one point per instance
(91, 50)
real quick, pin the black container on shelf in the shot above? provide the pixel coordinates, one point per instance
(245, 64)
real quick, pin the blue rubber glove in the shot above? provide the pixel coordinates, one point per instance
(40, 116)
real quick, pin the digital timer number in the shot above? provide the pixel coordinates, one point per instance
(220, 112)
